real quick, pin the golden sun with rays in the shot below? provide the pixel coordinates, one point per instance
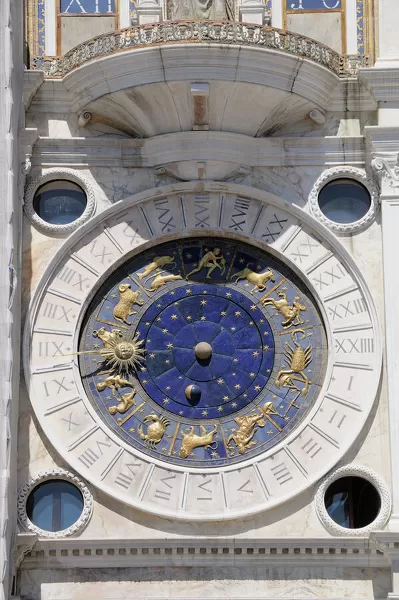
(123, 354)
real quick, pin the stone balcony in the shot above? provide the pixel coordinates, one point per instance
(202, 33)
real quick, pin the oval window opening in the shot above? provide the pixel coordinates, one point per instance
(54, 505)
(60, 202)
(344, 201)
(352, 502)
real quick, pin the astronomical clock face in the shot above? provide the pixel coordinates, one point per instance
(202, 352)
(202, 374)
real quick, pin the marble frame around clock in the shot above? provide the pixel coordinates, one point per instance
(268, 480)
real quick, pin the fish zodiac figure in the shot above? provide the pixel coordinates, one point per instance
(161, 280)
(291, 314)
(191, 440)
(213, 259)
(258, 280)
(155, 431)
(127, 298)
(297, 360)
(159, 261)
(247, 426)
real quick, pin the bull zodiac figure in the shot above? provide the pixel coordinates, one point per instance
(127, 298)
(291, 314)
(155, 430)
(247, 426)
(258, 280)
(108, 338)
(211, 260)
(191, 440)
(297, 360)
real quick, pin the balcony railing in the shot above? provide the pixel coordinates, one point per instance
(201, 32)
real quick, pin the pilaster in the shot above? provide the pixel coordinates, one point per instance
(388, 174)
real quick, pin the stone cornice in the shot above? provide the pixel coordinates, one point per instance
(198, 146)
(382, 82)
(91, 553)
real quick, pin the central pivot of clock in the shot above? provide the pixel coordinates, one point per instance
(203, 351)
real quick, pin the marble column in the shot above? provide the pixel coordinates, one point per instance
(388, 25)
(388, 173)
(11, 72)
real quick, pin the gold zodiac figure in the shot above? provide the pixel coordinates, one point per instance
(114, 382)
(159, 261)
(161, 280)
(247, 426)
(127, 298)
(291, 314)
(211, 260)
(297, 360)
(192, 440)
(258, 280)
(126, 401)
(155, 431)
(108, 338)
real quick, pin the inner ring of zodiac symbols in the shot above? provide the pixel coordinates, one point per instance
(203, 352)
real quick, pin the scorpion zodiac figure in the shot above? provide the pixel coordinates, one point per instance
(298, 360)
(155, 430)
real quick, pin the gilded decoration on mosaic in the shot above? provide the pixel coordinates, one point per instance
(313, 4)
(87, 6)
(217, 364)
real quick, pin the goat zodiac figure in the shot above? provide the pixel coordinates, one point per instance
(297, 360)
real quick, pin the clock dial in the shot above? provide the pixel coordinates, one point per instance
(202, 352)
(255, 405)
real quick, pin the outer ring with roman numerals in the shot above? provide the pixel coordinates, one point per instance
(253, 216)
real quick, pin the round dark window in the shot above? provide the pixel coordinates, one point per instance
(344, 201)
(54, 505)
(352, 502)
(60, 202)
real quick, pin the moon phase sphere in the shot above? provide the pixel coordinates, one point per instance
(193, 393)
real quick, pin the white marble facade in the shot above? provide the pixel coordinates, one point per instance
(127, 125)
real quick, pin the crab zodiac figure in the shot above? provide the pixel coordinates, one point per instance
(297, 360)
(211, 260)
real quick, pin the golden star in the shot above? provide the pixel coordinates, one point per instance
(226, 398)
(214, 454)
(257, 388)
(220, 408)
(148, 323)
(165, 401)
(234, 404)
(237, 313)
(220, 381)
(255, 354)
(203, 318)
(232, 328)
(167, 361)
(189, 291)
(170, 345)
(223, 313)
(253, 307)
(203, 302)
(241, 261)
(165, 331)
(266, 348)
(188, 318)
(159, 319)
(173, 317)
(237, 386)
(228, 295)
(145, 381)
(252, 374)
(235, 360)
(168, 387)
(204, 413)
(152, 355)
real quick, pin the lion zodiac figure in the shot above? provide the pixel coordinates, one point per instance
(297, 359)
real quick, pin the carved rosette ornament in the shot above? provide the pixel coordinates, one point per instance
(212, 356)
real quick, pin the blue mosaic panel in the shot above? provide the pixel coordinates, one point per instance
(313, 4)
(265, 343)
(87, 6)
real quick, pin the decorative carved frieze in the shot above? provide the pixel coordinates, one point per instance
(201, 32)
